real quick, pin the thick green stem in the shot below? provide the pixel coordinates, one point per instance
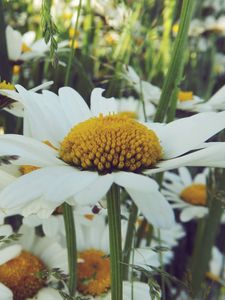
(129, 240)
(114, 217)
(174, 75)
(71, 247)
(5, 69)
(73, 49)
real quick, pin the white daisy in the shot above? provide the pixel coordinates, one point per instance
(20, 261)
(134, 108)
(99, 150)
(187, 194)
(94, 262)
(22, 48)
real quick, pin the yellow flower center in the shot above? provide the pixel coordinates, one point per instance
(16, 69)
(6, 86)
(20, 275)
(108, 143)
(25, 48)
(195, 194)
(93, 273)
(185, 96)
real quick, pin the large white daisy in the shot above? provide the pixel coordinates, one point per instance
(94, 149)
(20, 261)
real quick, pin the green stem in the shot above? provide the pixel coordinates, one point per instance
(163, 286)
(73, 49)
(71, 247)
(5, 69)
(176, 66)
(129, 239)
(114, 218)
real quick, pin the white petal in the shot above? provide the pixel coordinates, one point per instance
(74, 106)
(69, 182)
(48, 294)
(6, 294)
(14, 43)
(44, 109)
(30, 151)
(95, 191)
(193, 212)
(9, 253)
(213, 156)
(51, 226)
(5, 179)
(183, 135)
(144, 192)
(139, 290)
(102, 105)
(218, 97)
(5, 230)
(185, 176)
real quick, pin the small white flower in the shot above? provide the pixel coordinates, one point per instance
(187, 194)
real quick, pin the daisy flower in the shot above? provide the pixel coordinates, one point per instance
(94, 262)
(24, 47)
(22, 260)
(187, 194)
(93, 148)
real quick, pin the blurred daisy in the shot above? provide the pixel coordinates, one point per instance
(22, 260)
(134, 108)
(92, 149)
(187, 194)
(24, 47)
(94, 262)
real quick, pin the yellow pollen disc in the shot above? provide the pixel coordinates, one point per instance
(6, 86)
(108, 143)
(93, 273)
(185, 96)
(195, 194)
(25, 169)
(25, 48)
(16, 69)
(20, 275)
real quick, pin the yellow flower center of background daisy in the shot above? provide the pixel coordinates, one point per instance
(6, 86)
(185, 96)
(195, 194)
(25, 48)
(20, 275)
(108, 143)
(129, 114)
(93, 273)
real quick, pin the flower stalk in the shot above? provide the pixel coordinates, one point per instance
(114, 219)
(168, 99)
(71, 247)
